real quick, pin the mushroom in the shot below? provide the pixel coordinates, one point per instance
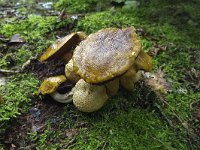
(112, 87)
(50, 86)
(88, 97)
(63, 47)
(103, 61)
(70, 73)
(108, 56)
(111, 53)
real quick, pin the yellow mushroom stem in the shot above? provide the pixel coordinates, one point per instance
(88, 97)
(143, 61)
(129, 78)
(112, 87)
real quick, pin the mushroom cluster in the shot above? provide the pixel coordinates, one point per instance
(98, 65)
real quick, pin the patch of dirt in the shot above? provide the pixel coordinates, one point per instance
(46, 69)
(26, 123)
(37, 121)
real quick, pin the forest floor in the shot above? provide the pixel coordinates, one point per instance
(163, 112)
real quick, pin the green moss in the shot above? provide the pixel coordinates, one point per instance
(16, 58)
(134, 129)
(39, 33)
(124, 123)
(32, 28)
(17, 95)
(97, 21)
(82, 6)
(156, 18)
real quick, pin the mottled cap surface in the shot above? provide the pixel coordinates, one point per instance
(106, 54)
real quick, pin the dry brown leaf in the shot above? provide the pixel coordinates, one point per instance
(196, 114)
(157, 81)
(17, 38)
(71, 133)
(156, 49)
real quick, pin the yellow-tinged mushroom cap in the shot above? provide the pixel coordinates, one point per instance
(51, 84)
(69, 72)
(88, 97)
(143, 61)
(62, 47)
(106, 54)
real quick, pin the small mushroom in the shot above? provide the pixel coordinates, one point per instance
(63, 48)
(88, 97)
(99, 64)
(143, 61)
(50, 86)
(130, 78)
(112, 87)
(70, 73)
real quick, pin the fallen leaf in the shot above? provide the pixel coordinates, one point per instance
(196, 114)
(16, 38)
(13, 145)
(156, 49)
(70, 133)
(1, 100)
(157, 81)
(2, 80)
(194, 78)
(35, 112)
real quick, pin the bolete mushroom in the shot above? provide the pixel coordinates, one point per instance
(50, 86)
(101, 62)
(111, 53)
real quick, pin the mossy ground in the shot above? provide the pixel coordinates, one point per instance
(130, 120)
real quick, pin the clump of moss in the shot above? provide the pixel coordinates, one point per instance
(39, 33)
(99, 20)
(128, 130)
(82, 6)
(17, 95)
(16, 58)
(32, 29)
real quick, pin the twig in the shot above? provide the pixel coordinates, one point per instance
(163, 114)
(9, 71)
(20, 70)
(70, 142)
(104, 145)
(166, 103)
(184, 125)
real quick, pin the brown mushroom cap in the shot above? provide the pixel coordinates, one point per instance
(51, 84)
(106, 54)
(62, 47)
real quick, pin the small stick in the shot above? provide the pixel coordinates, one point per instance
(20, 70)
